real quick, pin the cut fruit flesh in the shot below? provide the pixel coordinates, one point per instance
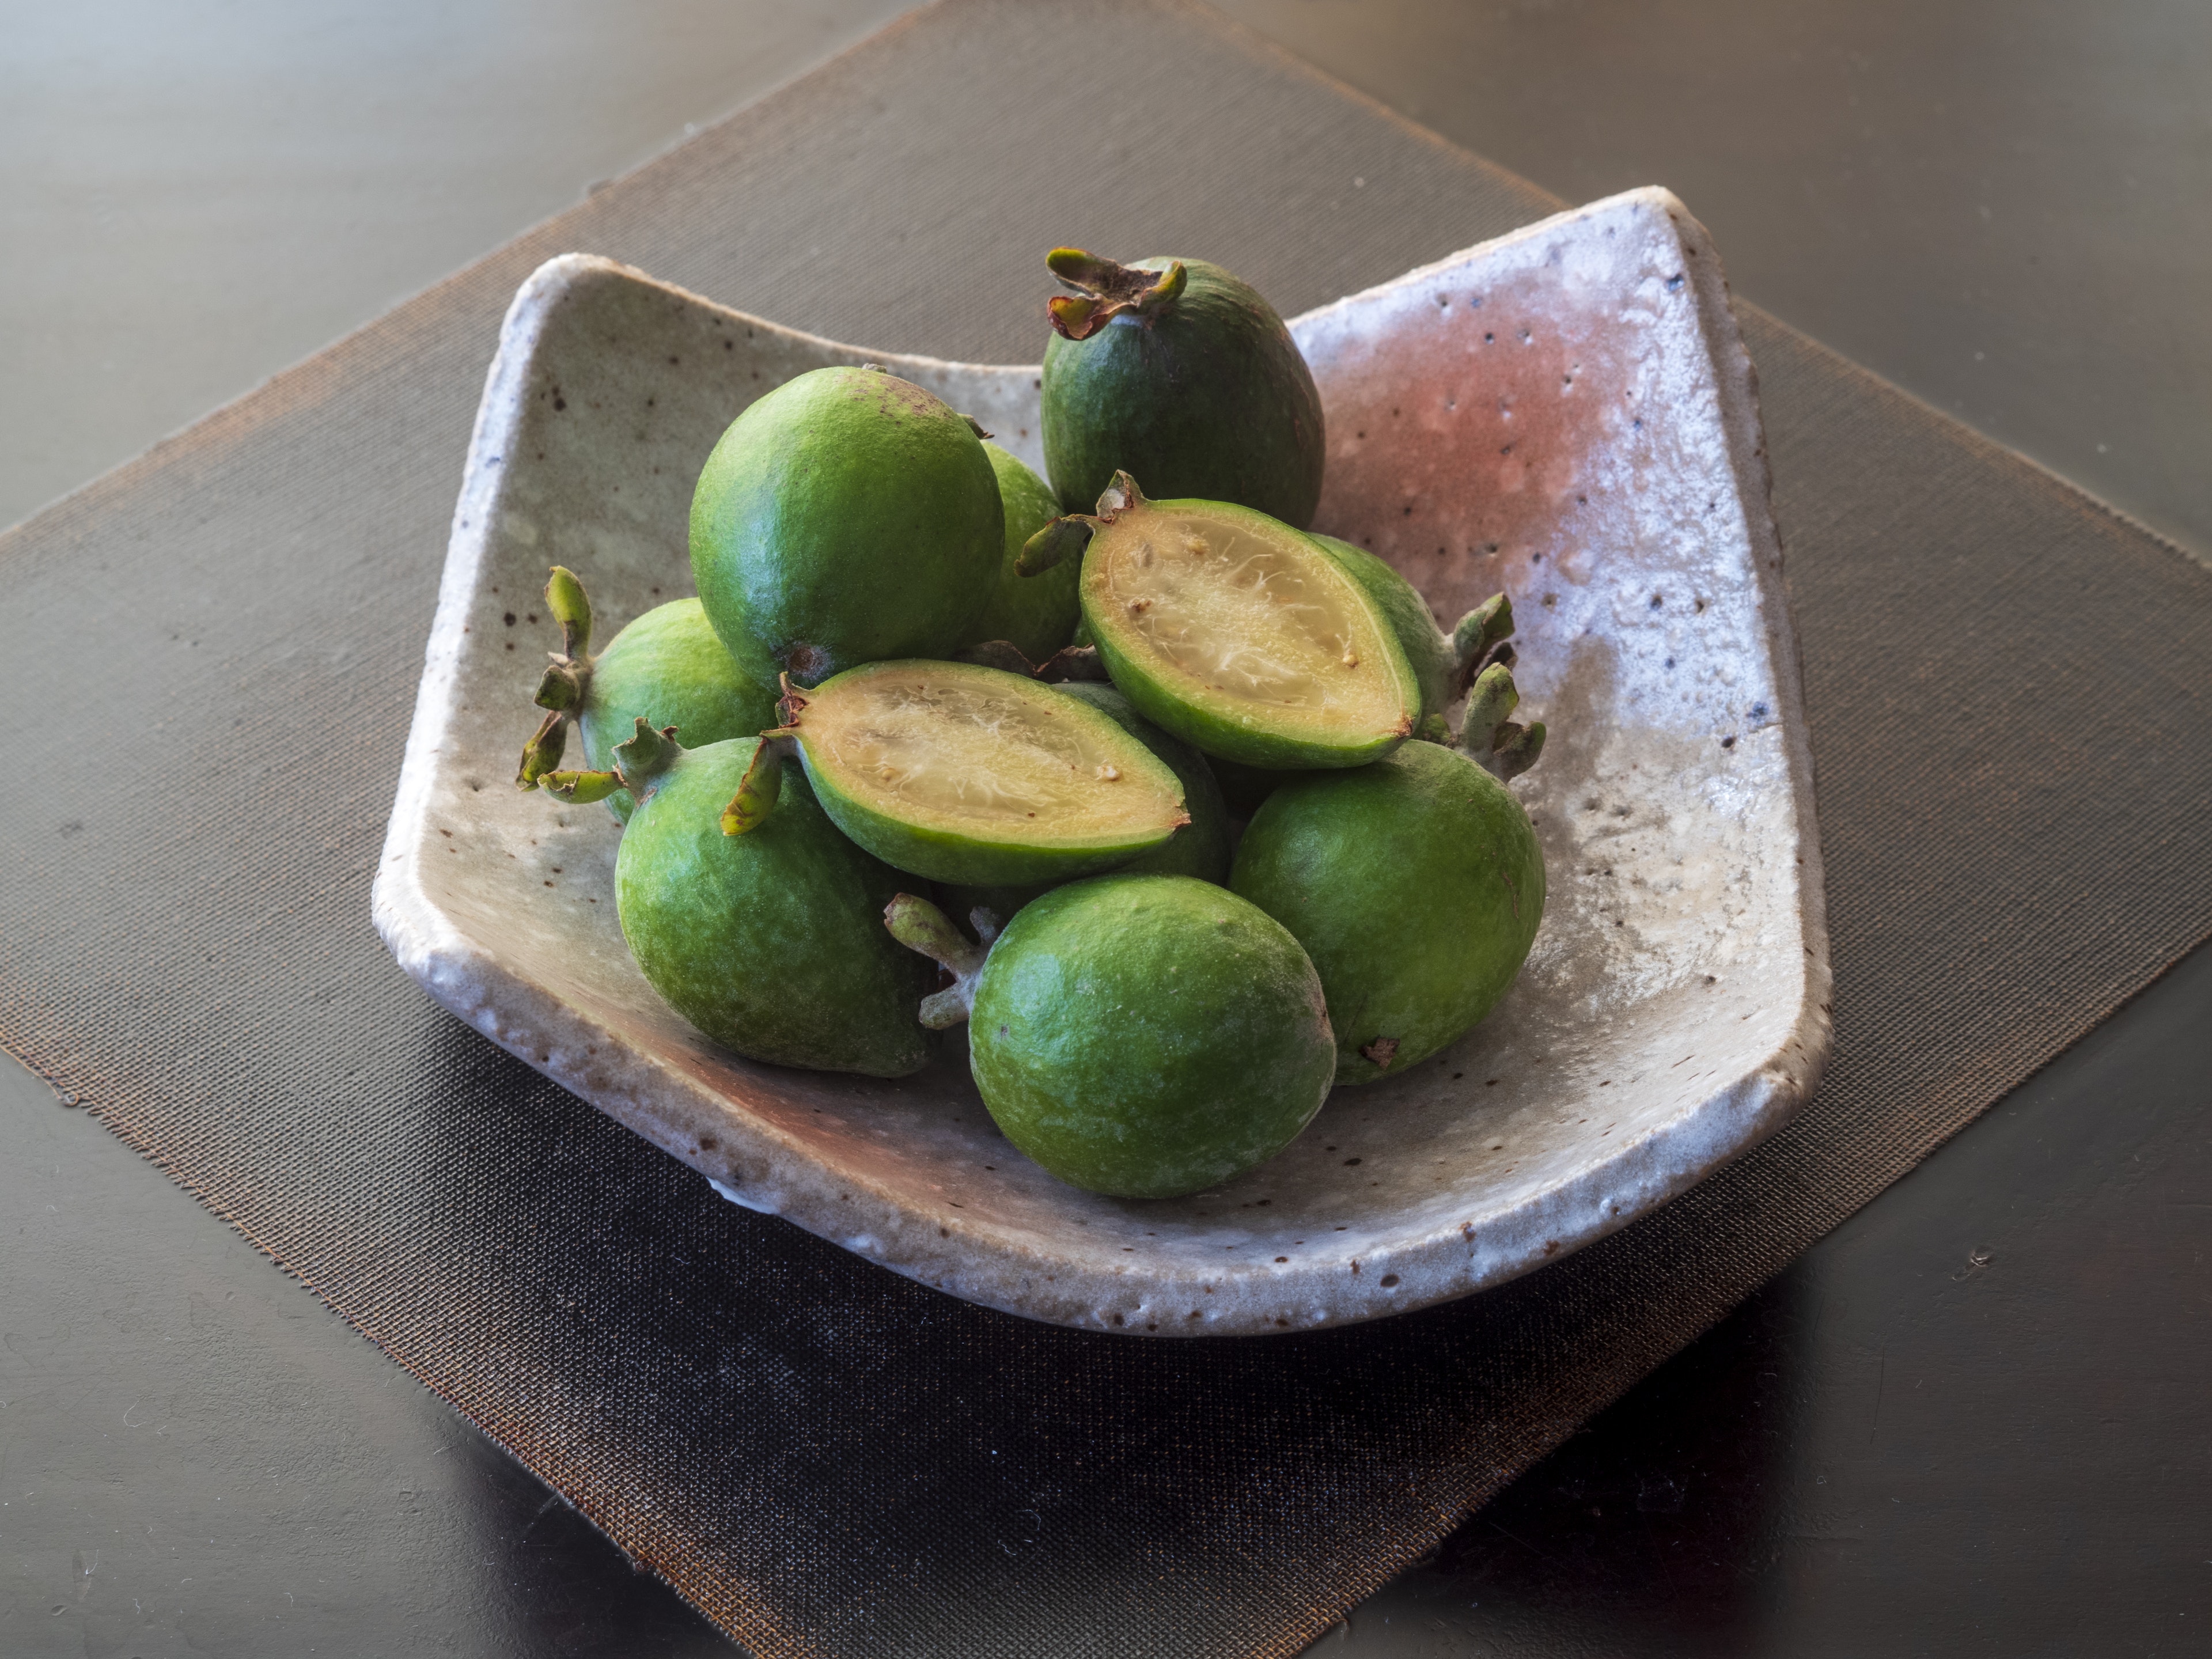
(966, 774)
(1237, 633)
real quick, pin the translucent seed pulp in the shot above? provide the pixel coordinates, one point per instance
(1252, 613)
(967, 747)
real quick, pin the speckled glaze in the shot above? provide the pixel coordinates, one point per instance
(1567, 413)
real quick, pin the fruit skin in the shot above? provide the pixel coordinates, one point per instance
(1200, 850)
(947, 855)
(1035, 613)
(771, 943)
(847, 517)
(1221, 731)
(669, 666)
(1205, 397)
(1147, 1036)
(1416, 886)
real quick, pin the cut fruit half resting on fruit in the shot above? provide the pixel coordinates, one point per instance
(966, 774)
(1236, 632)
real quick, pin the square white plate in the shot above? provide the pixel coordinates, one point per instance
(1567, 413)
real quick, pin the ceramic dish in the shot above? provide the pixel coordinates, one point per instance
(1567, 413)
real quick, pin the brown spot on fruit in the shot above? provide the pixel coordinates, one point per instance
(1382, 1051)
(806, 662)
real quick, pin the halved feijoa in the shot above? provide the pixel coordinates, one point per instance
(1201, 848)
(1239, 634)
(971, 774)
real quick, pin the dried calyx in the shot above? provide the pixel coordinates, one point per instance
(1105, 290)
(568, 677)
(921, 925)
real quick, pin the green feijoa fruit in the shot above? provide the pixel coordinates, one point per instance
(847, 517)
(1036, 614)
(965, 773)
(1176, 371)
(1415, 884)
(666, 666)
(771, 943)
(1201, 848)
(1237, 633)
(1144, 1036)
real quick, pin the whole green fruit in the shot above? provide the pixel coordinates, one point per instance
(847, 517)
(1036, 614)
(1144, 1036)
(1174, 371)
(771, 943)
(1415, 884)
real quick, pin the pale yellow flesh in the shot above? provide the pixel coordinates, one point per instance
(948, 750)
(1256, 619)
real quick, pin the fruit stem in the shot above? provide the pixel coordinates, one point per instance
(639, 765)
(1487, 738)
(567, 680)
(1480, 640)
(921, 925)
(1492, 697)
(544, 750)
(1057, 542)
(1519, 750)
(1107, 290)
(572, 607)
(760, 788)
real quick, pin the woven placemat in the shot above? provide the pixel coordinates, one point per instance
(214, 652)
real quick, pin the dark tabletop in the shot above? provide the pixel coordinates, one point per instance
(1971, 1420)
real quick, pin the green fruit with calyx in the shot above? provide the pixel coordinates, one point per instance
(1144, 1036)
(667, 667)
(1235, 632)
(1174, 370)
(965, 773)
(1036, 614)
(847, 517)
(1416, 886)
(1201, 848)
(772, 943)
(1444, 664)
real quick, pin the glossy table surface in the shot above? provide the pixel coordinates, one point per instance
(1971, 1420)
